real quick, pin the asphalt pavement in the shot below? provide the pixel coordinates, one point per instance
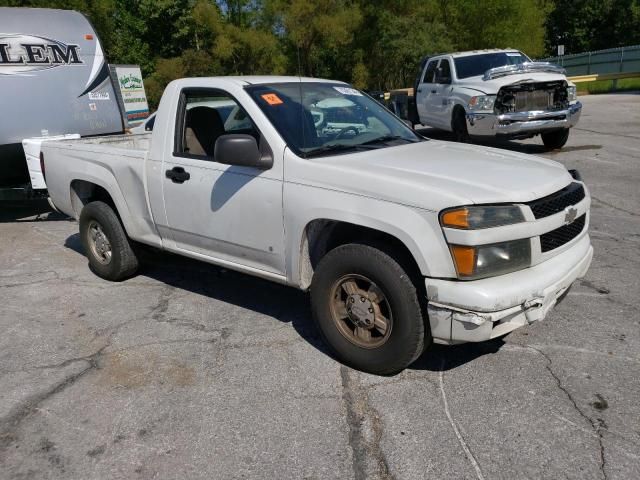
(188, 371)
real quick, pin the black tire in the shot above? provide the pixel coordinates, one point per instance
(556, 139)
(122, 262)
(459, 126)
(408, 333)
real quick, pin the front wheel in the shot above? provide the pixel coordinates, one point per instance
(367, 309)
(555, 140)
(459, 126)
(105, 243)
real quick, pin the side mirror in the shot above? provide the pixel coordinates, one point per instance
(241, 150)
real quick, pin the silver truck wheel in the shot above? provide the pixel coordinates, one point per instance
(99, 243)
(105, 242)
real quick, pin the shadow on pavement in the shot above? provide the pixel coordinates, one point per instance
(512, 145)
(28, 211)
(443, 358)
(283, 303)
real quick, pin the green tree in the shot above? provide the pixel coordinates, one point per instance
(584, 25)
(310, 29)
(498, 24)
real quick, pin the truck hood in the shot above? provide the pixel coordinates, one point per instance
(491, 87)
(434, 175)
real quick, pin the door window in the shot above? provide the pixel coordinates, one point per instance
(429, 74)
(444, 72)
(207, 115)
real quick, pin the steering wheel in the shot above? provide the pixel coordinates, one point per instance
(347, 129)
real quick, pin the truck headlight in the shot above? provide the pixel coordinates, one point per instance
(572, 94)
(483, 261)
(482, 103)
(481, 217)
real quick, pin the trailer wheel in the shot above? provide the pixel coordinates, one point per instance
(555, 140)
(459, 126)
(105, 243)
(367, 309)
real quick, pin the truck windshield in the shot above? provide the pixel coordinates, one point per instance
(475, 65)
(329, 118)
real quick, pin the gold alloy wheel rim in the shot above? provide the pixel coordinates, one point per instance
(360, 311)
(99, 243)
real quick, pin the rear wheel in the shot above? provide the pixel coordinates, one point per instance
(105, 243)
(555, 140)
(459, 126)
(367, 309)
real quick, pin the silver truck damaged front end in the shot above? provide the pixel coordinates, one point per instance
(525, 124)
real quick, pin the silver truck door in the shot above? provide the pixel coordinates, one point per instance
(440, 95)
(426, 89)
(225, 212)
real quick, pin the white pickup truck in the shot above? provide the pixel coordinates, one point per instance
(402, 241)
(496, 93)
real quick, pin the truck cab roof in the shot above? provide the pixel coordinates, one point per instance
(265, 79)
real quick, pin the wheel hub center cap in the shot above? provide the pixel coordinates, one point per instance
(360, 310)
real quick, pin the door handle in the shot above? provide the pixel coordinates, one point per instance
(433, 91)
(419, 90)
(177, 175)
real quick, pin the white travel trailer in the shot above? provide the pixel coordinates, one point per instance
(54, 82)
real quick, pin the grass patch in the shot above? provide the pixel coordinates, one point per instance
(606, 86)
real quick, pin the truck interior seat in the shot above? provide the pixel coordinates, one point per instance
(203, 126)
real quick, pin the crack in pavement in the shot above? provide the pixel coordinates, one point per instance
(596, 426)
(11, 421)
(463, 444)
(607, 133)
(620, 209)
(365, 431)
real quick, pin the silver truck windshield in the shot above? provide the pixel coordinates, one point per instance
(474, 65)
(328, 118)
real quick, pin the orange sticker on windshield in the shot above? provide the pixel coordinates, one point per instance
(272, 99)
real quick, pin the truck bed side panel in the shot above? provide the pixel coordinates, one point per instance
(115, 169)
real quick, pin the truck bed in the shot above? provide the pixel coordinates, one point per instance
(115, 163)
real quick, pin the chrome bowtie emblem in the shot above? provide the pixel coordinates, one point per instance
(570, 215)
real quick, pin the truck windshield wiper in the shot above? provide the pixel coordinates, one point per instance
(336, 147)
(386, 138)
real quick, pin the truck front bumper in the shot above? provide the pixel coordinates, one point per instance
(522, 124)
(475, 311)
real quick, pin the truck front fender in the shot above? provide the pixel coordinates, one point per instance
(418, 230)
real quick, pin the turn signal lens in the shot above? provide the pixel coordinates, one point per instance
(456, 218)
(481, 216)
(464, 258)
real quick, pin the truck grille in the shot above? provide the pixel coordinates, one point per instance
(558, 201)
(560, 236)
(527, 97)
(535, 100)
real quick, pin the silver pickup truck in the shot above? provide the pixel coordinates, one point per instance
(402, 241)
(496, 93)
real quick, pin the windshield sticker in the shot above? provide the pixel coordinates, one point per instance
(348, 91)
(513, 54)
(272, 99)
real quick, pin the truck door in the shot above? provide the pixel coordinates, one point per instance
(439, 103)
(426, 89)
(224, 212)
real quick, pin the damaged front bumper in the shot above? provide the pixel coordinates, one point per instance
(480, 310)
(522, 123)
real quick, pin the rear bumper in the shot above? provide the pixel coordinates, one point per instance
(522, 123)
(480, 310)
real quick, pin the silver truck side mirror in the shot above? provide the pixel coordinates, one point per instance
(240, 149)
